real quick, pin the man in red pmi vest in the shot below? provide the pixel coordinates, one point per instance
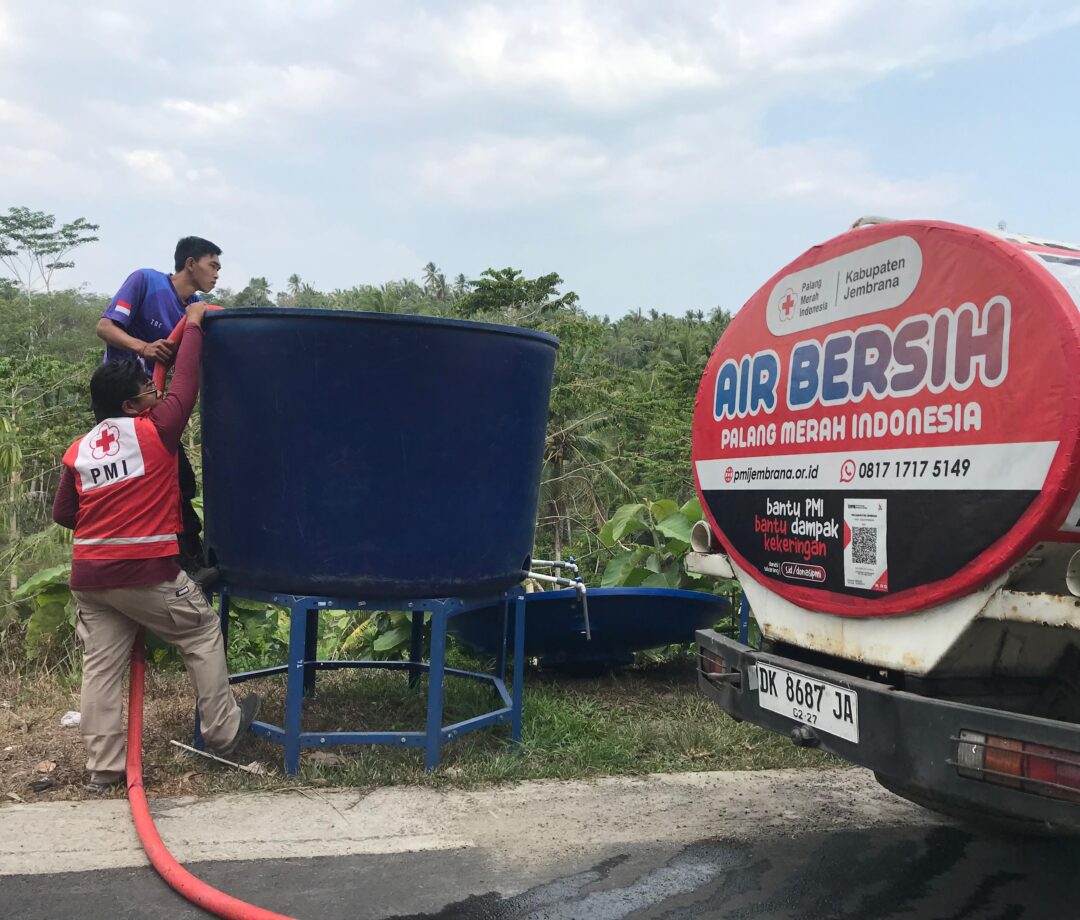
(138, 319)
(119, 492)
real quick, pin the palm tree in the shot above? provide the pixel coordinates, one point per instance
(431, 276)
(576, 455)
(255, 294)
(435, 282)
(291, 295)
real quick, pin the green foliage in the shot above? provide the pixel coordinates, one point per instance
(49, 624)
(43, 407)
(649, 541)
(51, 610)
(259, 634)
(32, 247)
(507, 290)
(10, 450)
(379, 635)
(256, 293)
(393, 297)
(619, 427)
(43, 582)
(299, 293)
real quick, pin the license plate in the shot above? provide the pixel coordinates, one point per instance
(824, 706)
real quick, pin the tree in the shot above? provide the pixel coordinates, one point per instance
(435, 282)
(42, 405)
(576, 456)
(405, 296)
(305, 296)
(32, 248)
(507, 290)
(293, 286)
(255, 294)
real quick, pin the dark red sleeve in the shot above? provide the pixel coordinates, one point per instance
(170, 416)
(65, 507)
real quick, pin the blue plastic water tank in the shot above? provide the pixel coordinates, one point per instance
(371, 455)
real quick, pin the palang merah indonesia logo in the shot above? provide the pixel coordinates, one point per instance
(107, 443)
(786, 305)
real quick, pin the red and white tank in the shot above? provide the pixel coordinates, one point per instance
(893, 420)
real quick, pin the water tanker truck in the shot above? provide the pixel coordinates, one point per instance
(886, 443)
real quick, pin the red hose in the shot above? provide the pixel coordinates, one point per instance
(160, 370)
(176, 876)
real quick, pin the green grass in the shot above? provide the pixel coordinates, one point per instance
(637, 721)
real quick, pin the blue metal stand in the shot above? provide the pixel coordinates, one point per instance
(303, 665)
(744, 621)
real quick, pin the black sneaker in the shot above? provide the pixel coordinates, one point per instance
(249, 708)
(104, 788)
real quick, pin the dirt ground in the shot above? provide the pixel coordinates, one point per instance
(41, 760)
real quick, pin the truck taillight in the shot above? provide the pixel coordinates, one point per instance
(711, 663)
(1052, 765)
(1023, 765)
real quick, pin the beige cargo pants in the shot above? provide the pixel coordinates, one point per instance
(175, 611)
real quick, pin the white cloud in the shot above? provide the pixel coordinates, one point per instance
(113, 26)
(301, 86)
(197, 116)
(497, 172)
(151, 165)
(696, 163)
(564, 47)
(389, 118)
(611, 54)
(22, 122)
(260, 94)
(173, 172)
(840, 173)
(27, 166)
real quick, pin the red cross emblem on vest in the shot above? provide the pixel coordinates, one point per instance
(106, 444)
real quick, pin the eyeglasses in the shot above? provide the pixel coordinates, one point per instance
(149, 390)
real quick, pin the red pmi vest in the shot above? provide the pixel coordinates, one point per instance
(129, 496)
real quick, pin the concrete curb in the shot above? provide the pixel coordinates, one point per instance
(526, 823)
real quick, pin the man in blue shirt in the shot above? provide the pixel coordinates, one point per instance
(150, 303)
(137, 322)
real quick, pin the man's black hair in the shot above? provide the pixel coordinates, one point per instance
(114, 382)
(193, 247)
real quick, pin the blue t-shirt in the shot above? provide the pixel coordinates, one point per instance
(148, 308)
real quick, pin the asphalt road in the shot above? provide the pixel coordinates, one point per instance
(945, 872)
(796, 845)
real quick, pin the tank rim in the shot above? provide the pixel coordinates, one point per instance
(407, 319)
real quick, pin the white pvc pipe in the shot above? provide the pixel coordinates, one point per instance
(1072, 575)
(701, 538)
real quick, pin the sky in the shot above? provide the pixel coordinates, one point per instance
(669, 156)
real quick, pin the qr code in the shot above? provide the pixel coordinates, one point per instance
(864, 545)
